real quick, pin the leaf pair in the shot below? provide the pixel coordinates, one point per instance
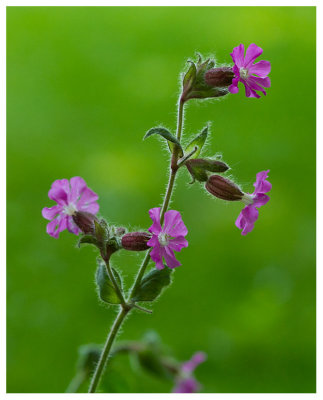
(106, 290)
(166, 134)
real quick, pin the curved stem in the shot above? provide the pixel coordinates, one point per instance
(106, 350)
(125, 307)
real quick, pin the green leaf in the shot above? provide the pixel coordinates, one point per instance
(105, 287)
(101, 232)
(87, 239)
(151, 361)
(190, 76)
(171, 140)
(198, 142)
(152, 284)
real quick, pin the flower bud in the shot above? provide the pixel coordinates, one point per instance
(219, 77)
(85, 221)
(198, 167)
(223, 188)
(135, 241)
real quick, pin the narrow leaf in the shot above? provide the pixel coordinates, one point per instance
(190, 76)
(152, 284)
(171, 139)
(105, 287)
(87, 239)
(198, 142)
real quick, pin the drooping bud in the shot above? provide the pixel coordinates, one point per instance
(219, 77)
(194, 84)
(85, 221)
(223, 188)
(135, 241)
(199, 167)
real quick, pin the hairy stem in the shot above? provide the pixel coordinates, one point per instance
(106, 350)
(125, 307)
(113, 280)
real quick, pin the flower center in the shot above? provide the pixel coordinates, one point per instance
(70, 209)
(247, 199)
(244, 73)
(163, 239)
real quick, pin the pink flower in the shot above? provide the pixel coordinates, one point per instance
(185, 382)
(70, 196)
(167, 239)
(253, 76)
(258, 198)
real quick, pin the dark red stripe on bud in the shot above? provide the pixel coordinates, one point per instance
(223, 188)
(85, 221)
(135, 241)
(219, 77)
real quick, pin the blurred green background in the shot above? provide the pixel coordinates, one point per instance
(84, 84)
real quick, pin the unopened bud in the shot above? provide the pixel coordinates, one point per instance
(223, 188)
(135, 241)
(219, 77)
(198, 167)
(85, 221)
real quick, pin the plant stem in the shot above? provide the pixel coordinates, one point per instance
(124, 310)
(113, 280)
(106, 350)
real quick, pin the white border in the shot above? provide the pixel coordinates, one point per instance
(3, 203)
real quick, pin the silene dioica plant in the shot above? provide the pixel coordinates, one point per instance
(77, 208)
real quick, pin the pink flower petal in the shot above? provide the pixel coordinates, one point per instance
(56, 226)
(78, 186)
(250, 92)
(238, 55)
(233, 88)
(157, 257)
(262, 185)
(178, 243)
(197, 359)
(261, 199)
(170, 258)
(253, 51)
(87, 197)
(59, 191)
(186, 385)
(173, 225)
(71, 227)
(52, 212)
(261, 68)
(154, 214)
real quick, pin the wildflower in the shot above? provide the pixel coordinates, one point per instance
(166, 239)
(185, 381)
(71, 196)
(253, 76)
(258, 198)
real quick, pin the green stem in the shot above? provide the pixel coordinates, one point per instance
(113, 280)
(125, 307)
(106, 350)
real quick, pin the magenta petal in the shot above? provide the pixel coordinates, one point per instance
(260, 199)
(187, 385)
(253, 51)
(156, 256)
(233, 88)
(250, 213)
(153, 241)
(178, 243)
(173, 225)
(262, 185)
(59, 191)
(170, 258)
(78, 186)
(71, 227)
(250, 92)
(261, 68)
(261, 82)
(197, 359)
(87, 197)
(154, 214)
(56, 226)
(240, 221)
(238, 55)
(50, 213)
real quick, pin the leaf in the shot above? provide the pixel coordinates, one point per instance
(171, 139)
(190, 76)
(87, 239)
(106, 290)
(100, 231)
(198, 142)
(152, 284)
